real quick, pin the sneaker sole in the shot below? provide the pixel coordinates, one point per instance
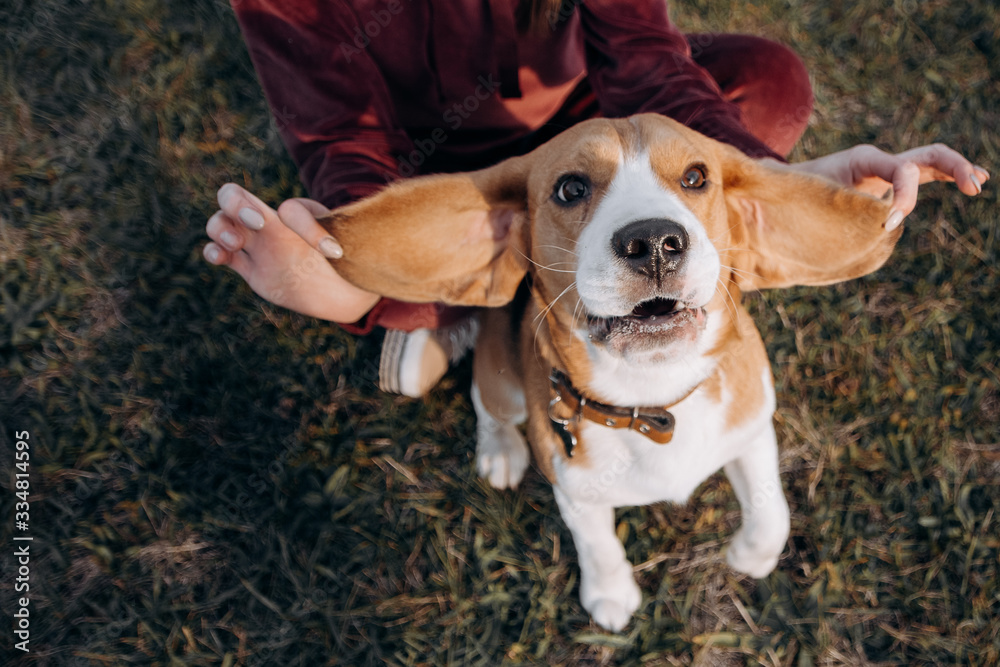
(388, 365)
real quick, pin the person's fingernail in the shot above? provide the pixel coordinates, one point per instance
(251, 219)
(977, 183)
(226, 192)
(212, 254)
(894, 220)
(330, 248)
(986, 174)
(229, 240)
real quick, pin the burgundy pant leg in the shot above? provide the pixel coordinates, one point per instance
(766, 80)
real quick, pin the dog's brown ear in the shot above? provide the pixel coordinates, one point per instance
(454, 238)
(791, 228)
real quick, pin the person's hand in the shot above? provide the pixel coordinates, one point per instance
(282, 255)
(876, 172)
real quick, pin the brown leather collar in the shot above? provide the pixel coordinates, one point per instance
(657, 424)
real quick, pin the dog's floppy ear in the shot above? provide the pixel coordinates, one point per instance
(452, 238)
(791, 228)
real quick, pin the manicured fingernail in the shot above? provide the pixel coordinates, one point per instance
(251, 218)
(894, 220)
(226, 192)
(330, 248)
(977, 183)
(212, 254)
(229, 240)
(986, 174)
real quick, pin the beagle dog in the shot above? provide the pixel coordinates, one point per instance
(612, 260)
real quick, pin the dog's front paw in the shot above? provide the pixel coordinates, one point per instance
(502, 456)
(754, 557)
(613, 599)
(611, 615)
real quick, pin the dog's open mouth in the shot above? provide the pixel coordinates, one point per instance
(653, 321)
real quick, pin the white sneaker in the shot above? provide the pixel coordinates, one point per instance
(413, 362)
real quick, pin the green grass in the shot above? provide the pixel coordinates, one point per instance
(218, 482)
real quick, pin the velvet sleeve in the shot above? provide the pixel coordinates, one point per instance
(638, 61)
(329, 100)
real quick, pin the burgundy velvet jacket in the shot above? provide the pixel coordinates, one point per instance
(366, 91)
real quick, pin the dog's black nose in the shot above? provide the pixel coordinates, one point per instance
(653, 248)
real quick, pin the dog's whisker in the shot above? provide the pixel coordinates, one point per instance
(731, 306)
(741, 272)
(558, 247)
(545, 311)
(731, 298)
(549, 267)
(731, 228)
(540, 318)
(574, 241)
(576, 317)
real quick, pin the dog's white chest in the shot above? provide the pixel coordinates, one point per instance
(625, 468)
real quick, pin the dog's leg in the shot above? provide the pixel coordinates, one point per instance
(502, 455)
(607, 586)
(754, 475)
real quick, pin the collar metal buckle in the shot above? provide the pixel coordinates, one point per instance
(564, 428)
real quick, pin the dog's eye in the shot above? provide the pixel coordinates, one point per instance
(571, 188)
(694, 178)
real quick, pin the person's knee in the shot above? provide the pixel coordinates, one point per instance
(766, 80)
(792, 78)
(778, 105)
